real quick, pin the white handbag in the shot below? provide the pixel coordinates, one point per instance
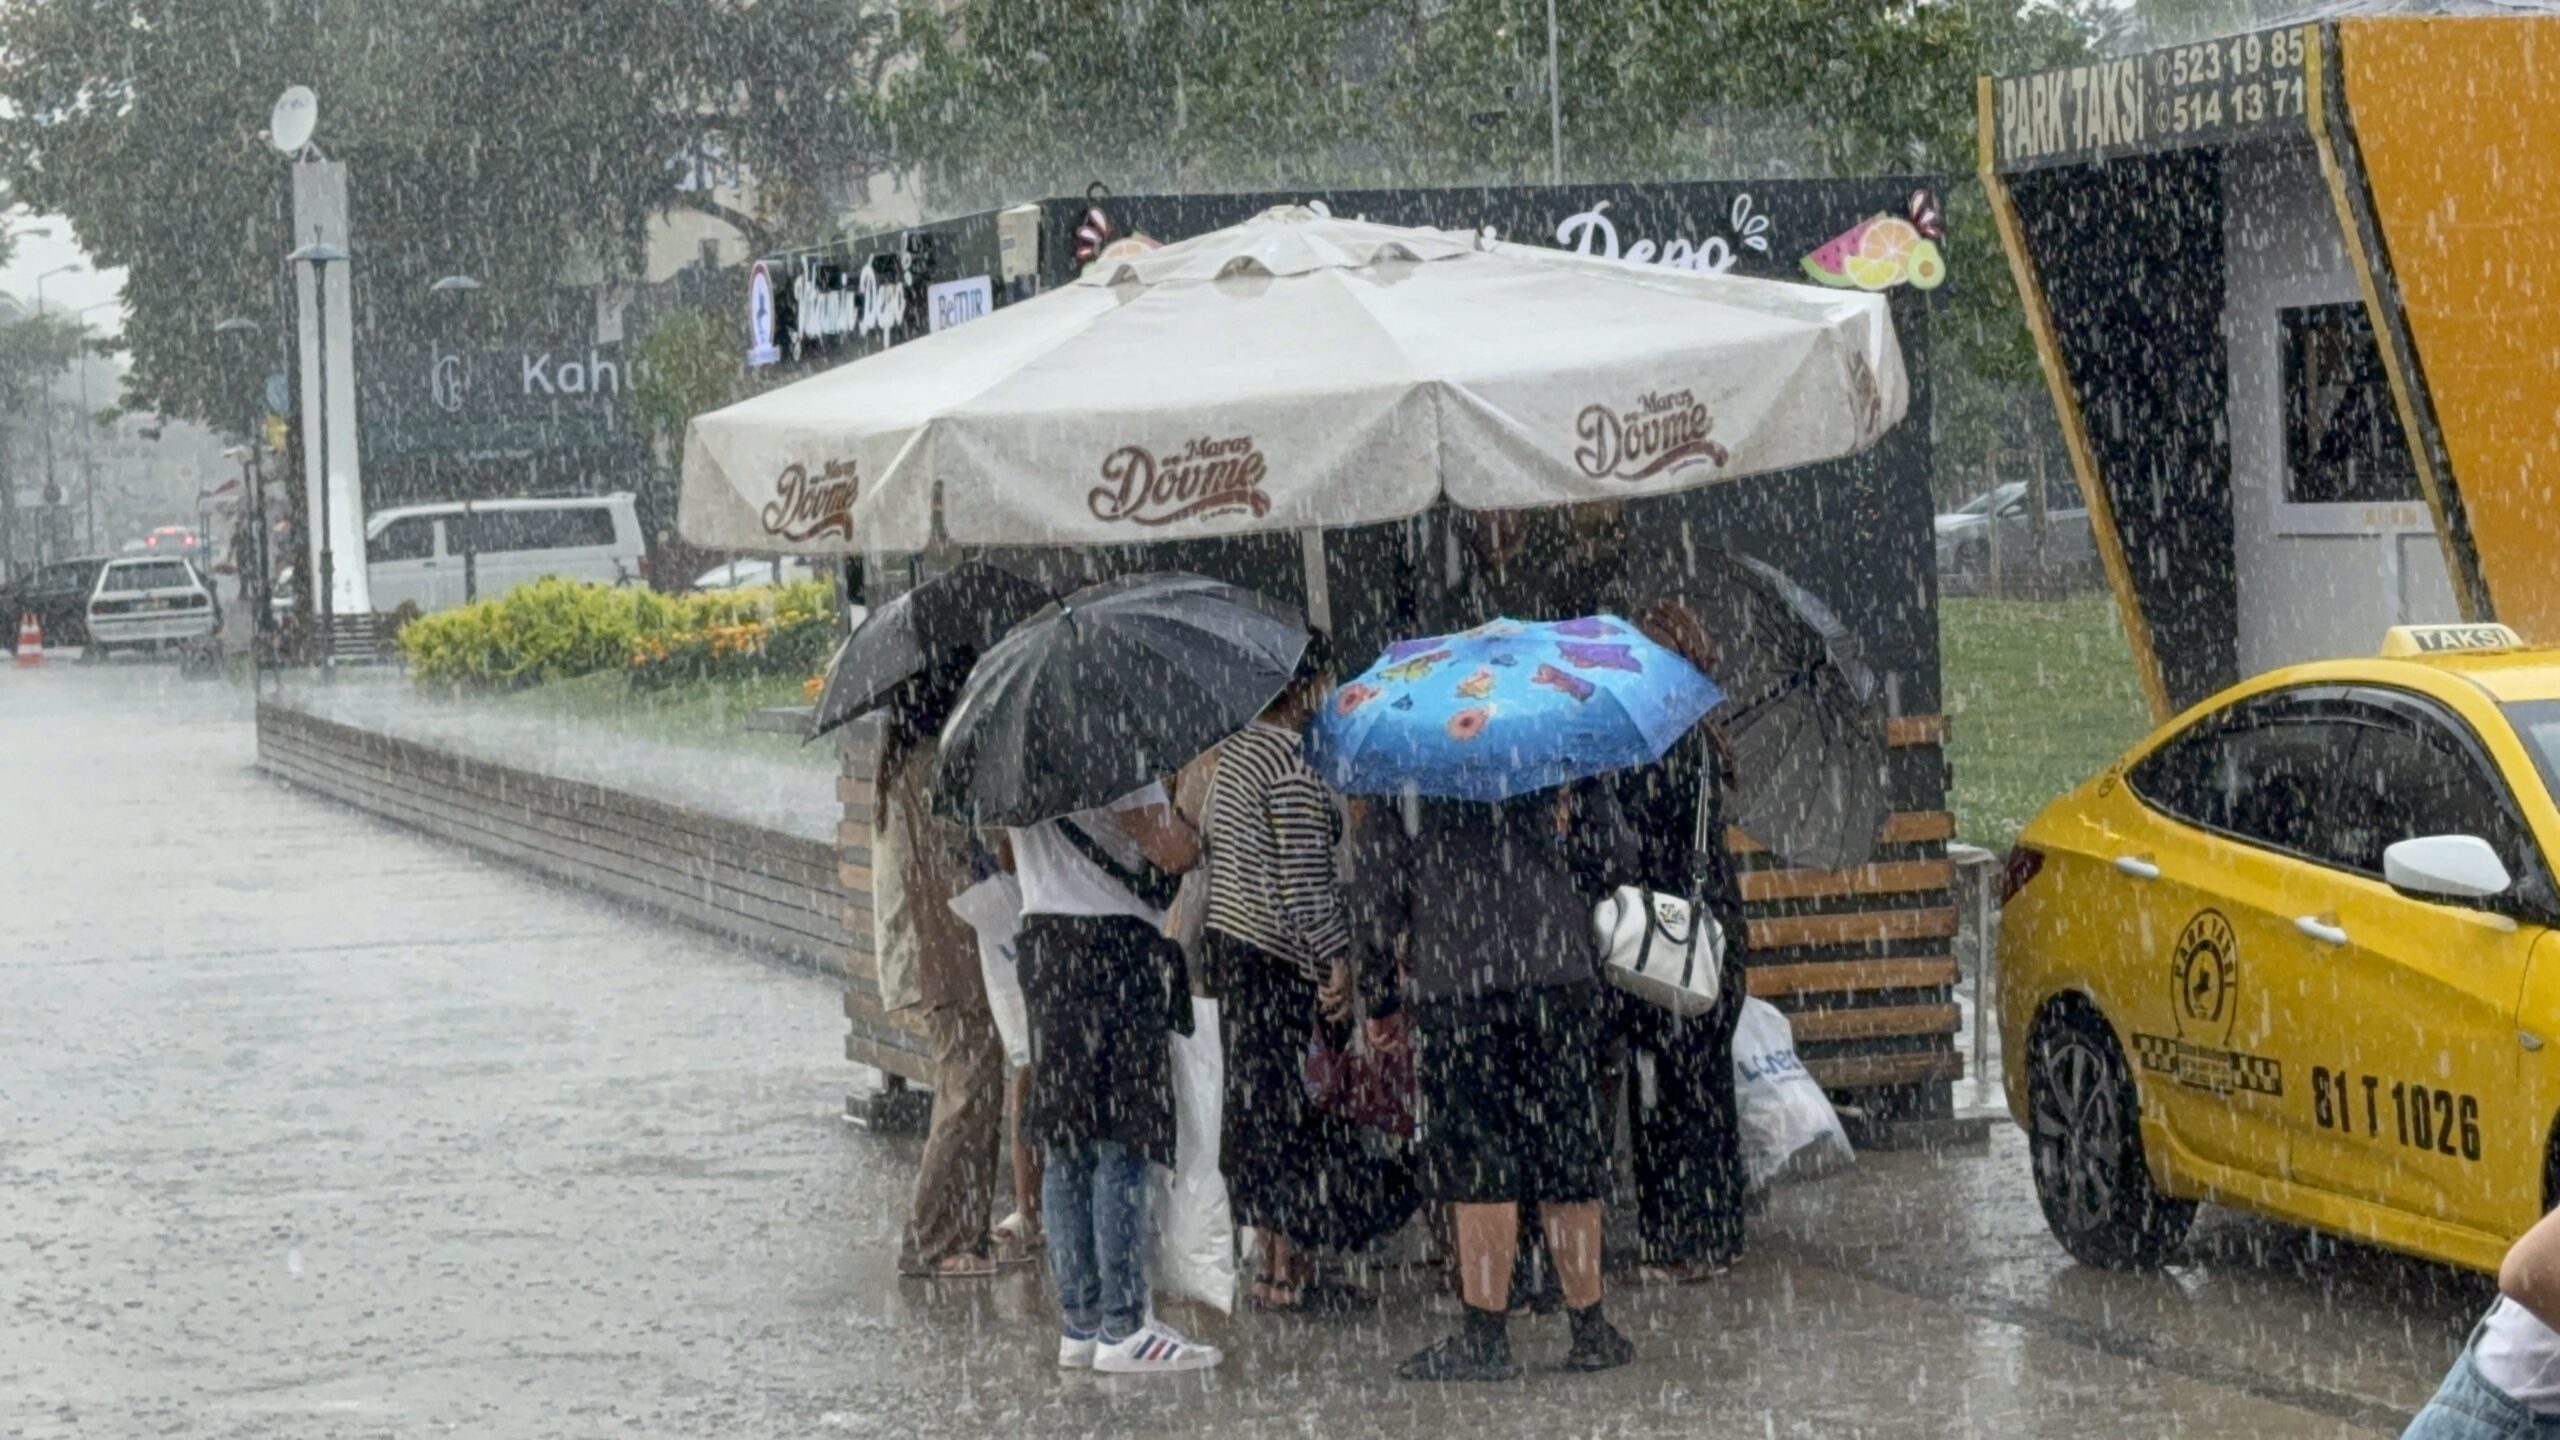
(1662, 948)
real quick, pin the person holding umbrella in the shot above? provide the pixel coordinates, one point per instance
(1490, 899)
(1061, 739)
(906, 662)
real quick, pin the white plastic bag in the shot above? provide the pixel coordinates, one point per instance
(993, 908)
(1788, 1125)
(1195, 1252)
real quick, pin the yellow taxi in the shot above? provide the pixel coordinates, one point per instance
(2299, 952)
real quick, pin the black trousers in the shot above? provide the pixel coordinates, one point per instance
(1689, 1181)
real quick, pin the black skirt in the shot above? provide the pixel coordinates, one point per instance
(1292, 1166)
(1100, 1066)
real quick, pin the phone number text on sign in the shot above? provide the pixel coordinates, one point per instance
(2189, 95)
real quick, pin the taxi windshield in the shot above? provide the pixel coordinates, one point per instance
(2537, 723)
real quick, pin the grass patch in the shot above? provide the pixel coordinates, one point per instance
(2041, 695)
(700, 715)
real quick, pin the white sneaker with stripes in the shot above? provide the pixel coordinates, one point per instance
(1076, 1347)
(1156, 1349)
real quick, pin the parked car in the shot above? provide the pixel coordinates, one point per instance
(2294, 953)
(151, 602)
(759, 570)
(1964, 537)
(438, 556)
(57, 595)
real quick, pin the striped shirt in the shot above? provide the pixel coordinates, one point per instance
(1271, 831)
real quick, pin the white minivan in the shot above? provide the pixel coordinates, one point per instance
(438, 556)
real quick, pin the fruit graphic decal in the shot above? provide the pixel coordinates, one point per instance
(1351, 697)
(1555, 679)
(1883, 251)
(1583, 656)
(1477, 686)
(1469, 723)
(1415, 668)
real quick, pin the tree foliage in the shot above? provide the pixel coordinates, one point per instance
(519, 144)
(1000, 100)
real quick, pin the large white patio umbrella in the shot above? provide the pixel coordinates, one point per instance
(1298, 371)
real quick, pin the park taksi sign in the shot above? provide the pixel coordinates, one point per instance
(2210, 93)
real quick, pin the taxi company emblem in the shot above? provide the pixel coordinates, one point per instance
(2205, 969)
(2204, 982)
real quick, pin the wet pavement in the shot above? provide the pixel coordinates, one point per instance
(317, 1128)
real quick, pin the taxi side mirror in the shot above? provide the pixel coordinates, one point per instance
(2446, 867)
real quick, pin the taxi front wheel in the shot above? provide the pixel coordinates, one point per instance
(2086, 1137)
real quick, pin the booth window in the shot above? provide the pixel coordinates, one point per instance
(2342, 438)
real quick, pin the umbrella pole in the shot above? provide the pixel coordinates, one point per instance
(1319, 590)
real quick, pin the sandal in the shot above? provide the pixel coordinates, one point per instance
(966, 1265)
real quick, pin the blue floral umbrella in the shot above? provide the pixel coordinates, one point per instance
(1507, 708)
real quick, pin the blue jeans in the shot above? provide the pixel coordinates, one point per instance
(2468, 1407)
(1093, 1198)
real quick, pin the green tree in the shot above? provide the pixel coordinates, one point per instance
(1000, 100)
(511, 142)
(33, 348)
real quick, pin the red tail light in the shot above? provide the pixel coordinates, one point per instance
(644, 565)
(2021, 867)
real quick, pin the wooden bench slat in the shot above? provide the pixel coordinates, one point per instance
(1902, 827)
(1867, 1072)
(1871, 1021)
(1773, 982)
(1788, 932)
(1890, 878)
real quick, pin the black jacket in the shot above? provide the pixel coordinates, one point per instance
(1485, 897)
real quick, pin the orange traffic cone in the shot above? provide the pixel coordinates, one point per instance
(30, 639)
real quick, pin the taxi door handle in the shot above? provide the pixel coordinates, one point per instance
(2320, 930)
(2137, 866)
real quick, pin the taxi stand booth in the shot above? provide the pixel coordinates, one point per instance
(2294, 298)
(1862, 960)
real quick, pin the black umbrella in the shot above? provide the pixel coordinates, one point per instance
(1804, 713)
(1121, 684)
(936, 629)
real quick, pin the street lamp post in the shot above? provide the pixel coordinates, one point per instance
(460, 287)
(256, 582)
(318, 255)
(1555, 104)
(89, 437)
(44, 415)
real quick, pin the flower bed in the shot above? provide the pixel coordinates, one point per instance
(554, 630)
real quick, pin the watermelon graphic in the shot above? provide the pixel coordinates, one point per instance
(1830, 264)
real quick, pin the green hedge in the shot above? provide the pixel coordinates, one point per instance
(557, 629)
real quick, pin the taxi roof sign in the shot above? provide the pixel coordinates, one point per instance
(2403, 642)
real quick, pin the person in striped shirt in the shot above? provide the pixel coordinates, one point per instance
(1278, 943)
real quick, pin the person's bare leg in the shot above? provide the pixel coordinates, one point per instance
(1573, 1243)
(1488, 1242)
(1026, 1157)
(1279, 1268)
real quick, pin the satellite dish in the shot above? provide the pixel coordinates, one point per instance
(296, 115)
